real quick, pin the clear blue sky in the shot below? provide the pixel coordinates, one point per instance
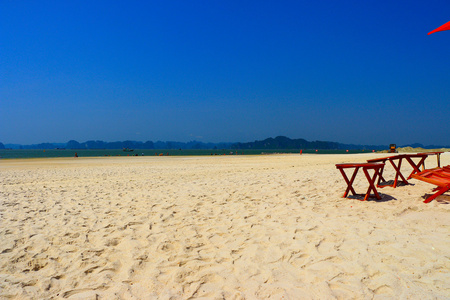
(363, 72)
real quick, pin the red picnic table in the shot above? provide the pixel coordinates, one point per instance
(397, 167)
(377, 167)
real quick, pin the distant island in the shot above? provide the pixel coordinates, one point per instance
(279, 142)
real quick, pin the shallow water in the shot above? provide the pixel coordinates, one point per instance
(32, 153)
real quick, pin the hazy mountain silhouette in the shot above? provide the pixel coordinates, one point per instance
(279, 142)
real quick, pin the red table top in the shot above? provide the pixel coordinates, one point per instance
(355, 165)
(399, 156)
(428, 153)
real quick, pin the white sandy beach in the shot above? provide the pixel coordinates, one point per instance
(219, 227)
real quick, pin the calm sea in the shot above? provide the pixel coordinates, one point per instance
(5, 154)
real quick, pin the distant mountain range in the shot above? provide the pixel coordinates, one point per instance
(280, 142)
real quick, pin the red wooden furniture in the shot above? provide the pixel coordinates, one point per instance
(437, 176)
(396, 162)
(371, 179)
(438, 156)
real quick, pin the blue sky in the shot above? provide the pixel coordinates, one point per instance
(362, 72)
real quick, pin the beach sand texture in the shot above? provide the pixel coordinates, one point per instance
(219, 227)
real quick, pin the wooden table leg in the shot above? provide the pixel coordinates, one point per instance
(398, 173)
(440, 191)
(371, 183)
(349, 182)
(380, 177)
(416, 167)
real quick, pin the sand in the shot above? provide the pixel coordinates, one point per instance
(220, 227)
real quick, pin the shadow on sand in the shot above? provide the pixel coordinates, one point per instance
(384, 197)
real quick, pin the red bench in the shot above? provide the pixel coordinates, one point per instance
(438, 156)
(371, 179)
(437, 176)
(397, 166)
